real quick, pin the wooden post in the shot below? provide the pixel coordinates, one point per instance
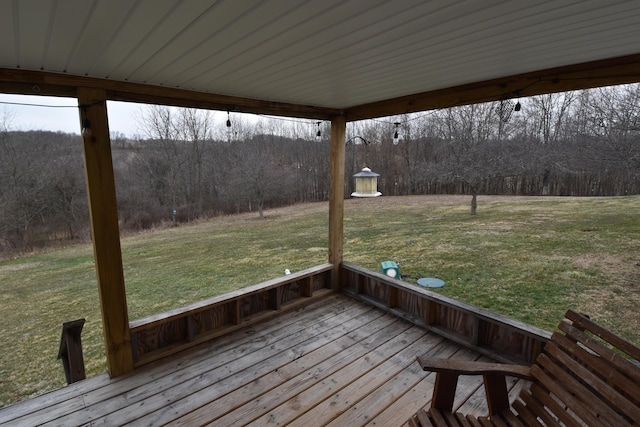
(70, 351)
(495, 387)
(444, 391)
(103, 212)
(336, 197)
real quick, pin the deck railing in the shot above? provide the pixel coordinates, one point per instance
(166, 333)
(497, 336)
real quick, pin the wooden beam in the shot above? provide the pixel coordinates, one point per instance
(27, 82)
(336, 196)
(614, 71)
(104, 227)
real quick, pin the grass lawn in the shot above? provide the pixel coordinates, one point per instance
(528, 258)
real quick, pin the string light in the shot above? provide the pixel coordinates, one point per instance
(396, 137)
(29, 104)
(86, 128)
(355, 138)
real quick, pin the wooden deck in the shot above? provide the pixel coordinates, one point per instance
(335, 362)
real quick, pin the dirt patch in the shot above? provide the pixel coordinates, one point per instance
(19, 267)
(616, 302)
(625, 270)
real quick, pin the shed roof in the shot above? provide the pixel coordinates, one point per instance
(364, 58)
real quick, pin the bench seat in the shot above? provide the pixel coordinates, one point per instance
(585, 376)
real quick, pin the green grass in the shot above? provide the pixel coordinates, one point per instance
(528, 258)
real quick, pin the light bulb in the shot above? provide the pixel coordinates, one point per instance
(396, 137)
(86, 128)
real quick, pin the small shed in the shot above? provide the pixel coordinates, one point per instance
(366, 184)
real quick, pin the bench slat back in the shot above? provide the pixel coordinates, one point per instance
(586, 375)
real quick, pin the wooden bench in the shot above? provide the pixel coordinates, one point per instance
(585, 376)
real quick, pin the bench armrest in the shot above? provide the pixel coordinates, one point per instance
(447, 373)
(464, 367)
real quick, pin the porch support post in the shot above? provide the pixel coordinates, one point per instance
(103, 212)
(336, 196)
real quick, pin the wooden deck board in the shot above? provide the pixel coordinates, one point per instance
(340, 387)
(274, 371)
(372, 404)
(419, 396)
(283, 375)
(335, 362)
(206, 381)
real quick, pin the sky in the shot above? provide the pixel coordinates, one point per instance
(33, 112)
(62, 114)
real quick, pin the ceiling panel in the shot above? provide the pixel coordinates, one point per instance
(199, 33)
(31, 39)
(344, 47)
(240, 48)
(202, 40)
(145, 30)
(8, 47)
(332, 53)
(65, 34)
(238, 61)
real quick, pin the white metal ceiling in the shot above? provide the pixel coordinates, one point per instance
(328, 53)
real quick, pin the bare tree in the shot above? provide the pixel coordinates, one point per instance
(195, 129)
(257, 174)
(471, 158)
(549, 113)
(177, 167)
(578, 143)
(41, 186)
(158, 124)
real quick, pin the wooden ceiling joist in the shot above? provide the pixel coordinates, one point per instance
(26, 82)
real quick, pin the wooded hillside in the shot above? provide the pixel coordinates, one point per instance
(584, 143)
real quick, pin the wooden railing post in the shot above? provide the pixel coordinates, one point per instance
(70, 351)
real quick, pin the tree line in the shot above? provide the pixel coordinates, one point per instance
(184, 165)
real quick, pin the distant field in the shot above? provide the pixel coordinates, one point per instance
(528, 258)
